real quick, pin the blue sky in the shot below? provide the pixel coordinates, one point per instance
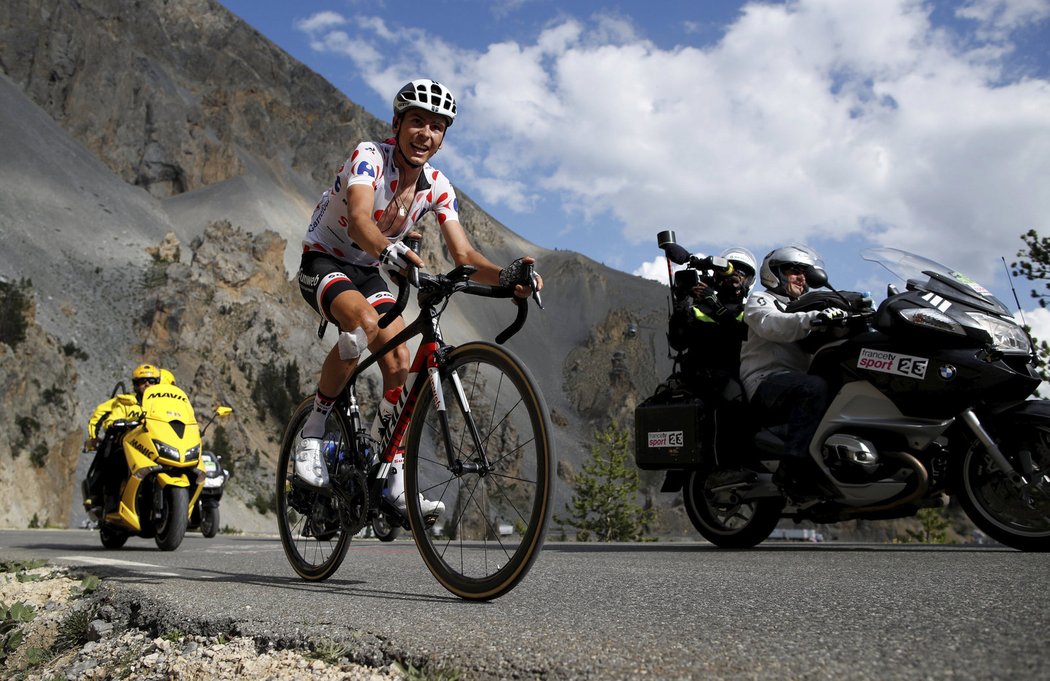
(841, 124)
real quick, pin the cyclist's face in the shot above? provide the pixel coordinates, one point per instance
(419, 134)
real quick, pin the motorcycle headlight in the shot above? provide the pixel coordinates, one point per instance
(933, 319)
(192, 453)
(166, 451)
(1007, 336)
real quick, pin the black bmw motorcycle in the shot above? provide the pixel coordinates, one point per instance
(930, 399)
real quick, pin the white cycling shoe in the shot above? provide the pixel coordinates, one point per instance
(426, 506)
(309, 464)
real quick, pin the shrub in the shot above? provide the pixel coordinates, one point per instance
(14, 308)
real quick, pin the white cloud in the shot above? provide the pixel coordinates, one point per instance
(654, 269)
(321, 21)
(999, 17)
(815, 119)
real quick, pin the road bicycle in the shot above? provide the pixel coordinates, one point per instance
(477, 437)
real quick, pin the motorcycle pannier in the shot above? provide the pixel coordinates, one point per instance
(668, 435)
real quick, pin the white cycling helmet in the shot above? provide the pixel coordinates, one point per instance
(802, 256)
(424, 93)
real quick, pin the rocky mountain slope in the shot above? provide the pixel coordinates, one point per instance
(160, 162)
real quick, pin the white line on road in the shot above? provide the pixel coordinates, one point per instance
(96, 560)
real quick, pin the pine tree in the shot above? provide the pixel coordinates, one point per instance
(605, 503)
(1034, 265)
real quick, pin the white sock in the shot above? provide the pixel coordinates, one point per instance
(315, 422)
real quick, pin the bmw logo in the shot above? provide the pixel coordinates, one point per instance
(947, 372)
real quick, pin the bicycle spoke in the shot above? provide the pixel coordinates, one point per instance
(311, 523)
(494, 515)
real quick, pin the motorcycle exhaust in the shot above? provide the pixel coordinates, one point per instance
(922, 485)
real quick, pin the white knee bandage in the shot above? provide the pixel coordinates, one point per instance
(352, 344)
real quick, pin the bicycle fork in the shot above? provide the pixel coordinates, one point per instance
(480, 463)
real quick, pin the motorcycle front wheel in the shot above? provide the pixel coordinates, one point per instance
(112, 538)
(176, 516)
(730, 525)
(1014, 514)
(210, 520)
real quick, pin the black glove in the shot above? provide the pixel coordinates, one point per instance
(832, 316)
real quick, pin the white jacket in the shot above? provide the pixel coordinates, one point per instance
(771, 334)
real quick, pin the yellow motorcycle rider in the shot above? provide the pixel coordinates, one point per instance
(122, 407)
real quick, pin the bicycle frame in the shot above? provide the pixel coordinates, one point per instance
(429, 355)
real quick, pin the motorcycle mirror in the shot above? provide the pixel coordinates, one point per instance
(816, 277)
(223, 411)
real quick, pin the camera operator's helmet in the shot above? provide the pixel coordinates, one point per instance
(427, 94)
(744, 262)
(167, 377)
(791, 256)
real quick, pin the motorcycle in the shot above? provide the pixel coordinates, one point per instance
(929, 401)
(205, 513)
(153, 472)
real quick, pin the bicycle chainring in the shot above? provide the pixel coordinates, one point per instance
(352, 490)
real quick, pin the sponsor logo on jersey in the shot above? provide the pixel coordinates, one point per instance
(364, 168)
(892, 363)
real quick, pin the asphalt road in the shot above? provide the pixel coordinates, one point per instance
(658, 610)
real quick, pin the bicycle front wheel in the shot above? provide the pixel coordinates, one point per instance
(491, 467)
(310, 522)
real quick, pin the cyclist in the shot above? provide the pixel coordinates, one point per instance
(773, 367)
(379, 194)
(123, 407)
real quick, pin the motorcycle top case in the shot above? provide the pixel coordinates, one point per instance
(668, 434)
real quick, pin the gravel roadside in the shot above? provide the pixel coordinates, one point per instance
(77, 632)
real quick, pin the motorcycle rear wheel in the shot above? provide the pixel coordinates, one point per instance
(733, 525)
(176, 516)
(1018, 517)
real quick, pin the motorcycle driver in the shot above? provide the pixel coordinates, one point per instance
(773, 367)
(379, 194)
(122, 407)
(708, 322)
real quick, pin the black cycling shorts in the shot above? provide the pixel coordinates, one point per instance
(322, 278)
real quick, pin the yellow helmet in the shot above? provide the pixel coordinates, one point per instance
(145, 371)
(167, 377)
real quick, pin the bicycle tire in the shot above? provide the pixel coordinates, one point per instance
(494, 524)
(309, 521)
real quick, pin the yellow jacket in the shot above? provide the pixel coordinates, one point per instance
(124, 407)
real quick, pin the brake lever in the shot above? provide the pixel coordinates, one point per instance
(535, 278)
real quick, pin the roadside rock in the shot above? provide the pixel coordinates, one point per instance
(121, 652)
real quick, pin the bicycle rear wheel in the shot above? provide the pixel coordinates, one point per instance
(495, 517)
(310, 521)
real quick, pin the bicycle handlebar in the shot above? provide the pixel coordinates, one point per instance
(433, 288)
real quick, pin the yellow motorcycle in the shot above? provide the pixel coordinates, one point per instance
(153, 471)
